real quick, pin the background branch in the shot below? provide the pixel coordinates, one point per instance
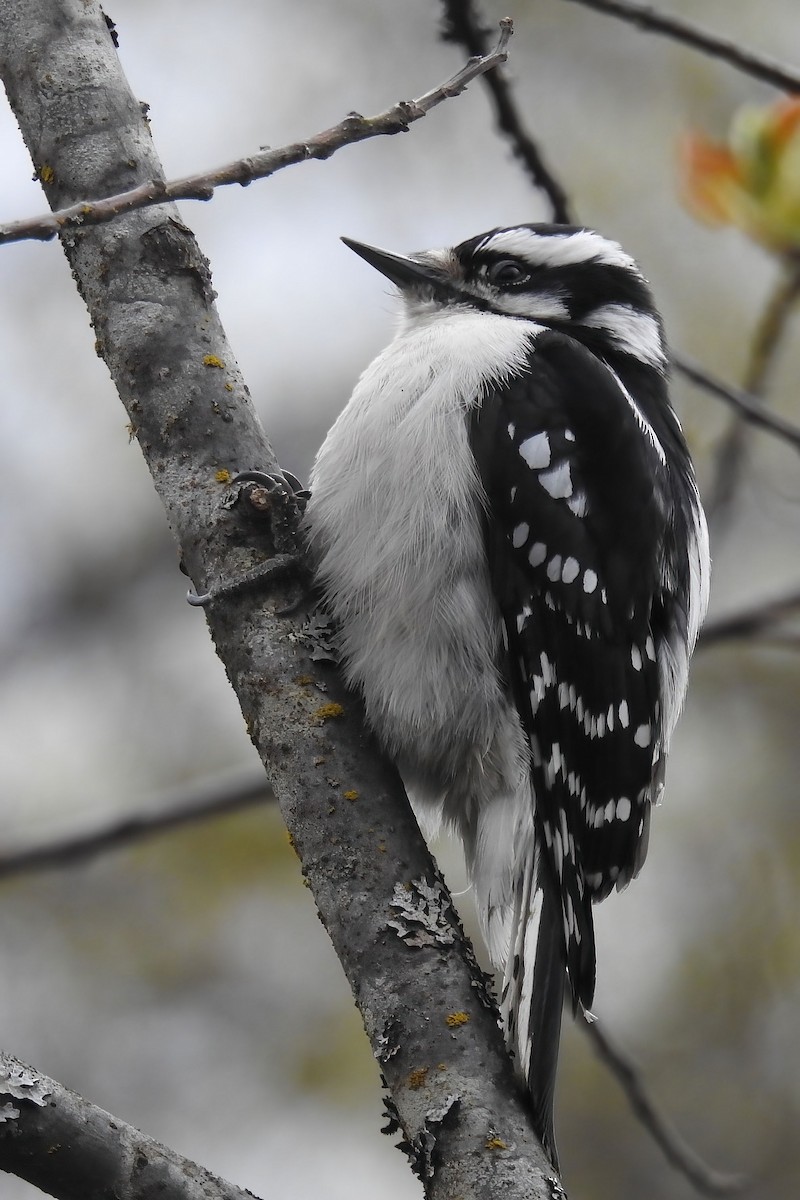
(676, 1150)
(147, 288)
(744, 403)
(760, 66)
(462, 25)
(750, 622)
(73, 1150)
(771, 328)
(354, 128)
(199, 801)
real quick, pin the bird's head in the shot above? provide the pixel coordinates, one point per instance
(562, 277)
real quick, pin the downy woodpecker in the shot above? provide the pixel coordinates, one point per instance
(507, 530)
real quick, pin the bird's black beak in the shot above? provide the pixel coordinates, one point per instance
(404, 272)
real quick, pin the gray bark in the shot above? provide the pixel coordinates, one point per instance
(148, 291)
(69, 1148)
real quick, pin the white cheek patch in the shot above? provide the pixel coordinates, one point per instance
(630, 330)
(538, 306)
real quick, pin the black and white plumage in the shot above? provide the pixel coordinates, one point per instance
(508, 533)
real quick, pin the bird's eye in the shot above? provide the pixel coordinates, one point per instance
(506, 272)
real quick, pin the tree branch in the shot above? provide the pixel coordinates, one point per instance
(200, 801)
(760, 66)
(743, 403)
(423, 999)
(730, 456)
(756, 620)
(354, 128)
(462, 25)
(73, 1150)
(703, 1178)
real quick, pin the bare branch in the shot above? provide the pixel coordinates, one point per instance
(354, 128)
(744, 403)
(74, 1150)
(769, 333)
(760, 66)
(462, 25)
(703, 1178)
(148, 292)
(757, 620)
(206, 799)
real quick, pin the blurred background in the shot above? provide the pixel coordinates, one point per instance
(186, 984)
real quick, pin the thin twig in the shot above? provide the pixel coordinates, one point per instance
(462, 25)
(210, 798)
(744, 403)
(753, 621)
(761, 66)
(730, 455)
(354, 128)
(704, 1178)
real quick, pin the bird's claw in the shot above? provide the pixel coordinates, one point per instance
(277, 501)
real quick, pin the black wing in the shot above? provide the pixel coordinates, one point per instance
(577, 512)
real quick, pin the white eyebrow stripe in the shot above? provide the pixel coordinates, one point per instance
(631, 330)
(559, 249)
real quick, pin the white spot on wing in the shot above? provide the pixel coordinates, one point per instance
(554, 568)
(577, 504)
(537, 554)
(535, 451)
(636, 658)
(643, 735)
(624, 716)
(520, 535)
(623, 808)
(570, 570)
(589, 581)
(557, 482)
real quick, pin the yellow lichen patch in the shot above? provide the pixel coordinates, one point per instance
(211, 360)
(454, 1019)
(223, 475)
(328, 712)
(228, 387)
(351, 795)
(304, 680)
(496, 1143)
(47, 174)
(417, 1078)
